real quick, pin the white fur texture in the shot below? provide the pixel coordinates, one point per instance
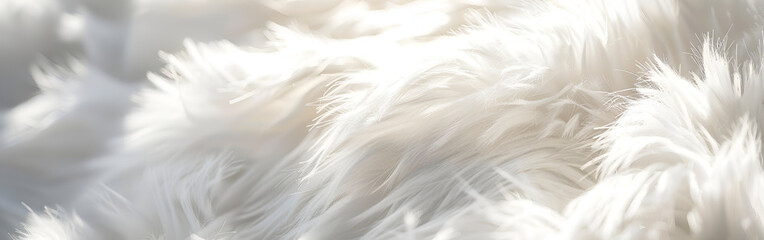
(406, 119)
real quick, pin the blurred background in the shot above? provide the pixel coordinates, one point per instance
(122, 38)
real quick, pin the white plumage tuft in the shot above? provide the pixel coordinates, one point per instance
(349, 119)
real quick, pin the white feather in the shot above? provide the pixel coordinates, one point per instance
(395, 120)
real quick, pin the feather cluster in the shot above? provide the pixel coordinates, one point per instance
(405, 119)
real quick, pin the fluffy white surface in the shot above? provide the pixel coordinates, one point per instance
(349, 119)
